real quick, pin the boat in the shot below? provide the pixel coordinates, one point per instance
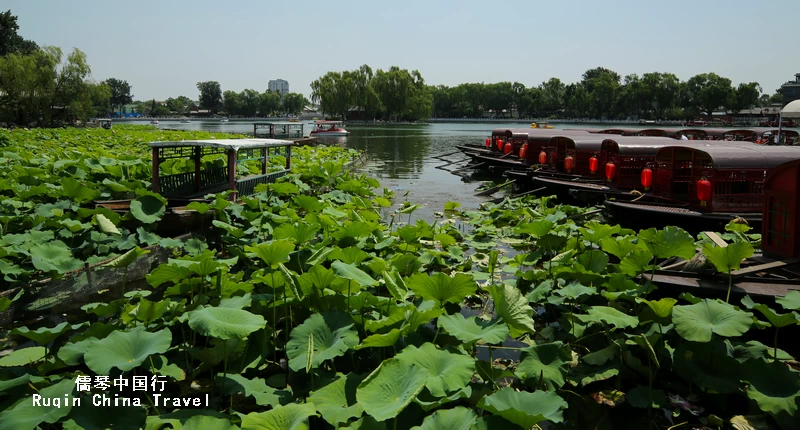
(223, 119)
(154, 121)
(294, 120)
(185, 121)
(328, 128)
(707, 183)
(541, 125)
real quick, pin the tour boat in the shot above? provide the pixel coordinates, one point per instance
(185, 121)
(154, 121)
(223, 119)
(328, 128)
(541, 125)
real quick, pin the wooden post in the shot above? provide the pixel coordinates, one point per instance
(288, 157)
(232, 173)
(197, 158)
(156, 185)
(264, 161)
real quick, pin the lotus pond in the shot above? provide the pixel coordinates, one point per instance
(302, 308)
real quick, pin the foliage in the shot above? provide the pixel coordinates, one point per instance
(210, 95)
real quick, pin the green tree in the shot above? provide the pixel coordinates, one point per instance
(92, 101)
(269, 103)
(10, 41)
(70, 82)
(590, 75)
(26, 83)
(210, 95)
(576, 100)
(181, 105)
(552, 96)
(231, 103)
(499, 97)
(120, 93)
(744, 97)
(294, 103)
(250, 101)
(335, 92)
(709, 91)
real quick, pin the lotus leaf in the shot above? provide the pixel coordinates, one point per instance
(148, 207)
(395, 284)
(43, 335)
(53, 256)
(698, 322)
(125, 350)
(442, 288)
(332, 335)
(610, 316)
(105, 224)
(447, 371)
(643, 397)
(336, 402)
(727, 258)
(472, 329)
(288, 417)
(544, 365)
(774, 386)
(257, 388)
(225, 323)
(657, 310)
(459, 418)
(669, 242)
(774, 318)
(273, 252)
(524, 409)
(636, 262)
(390, 388)
(353, 273)
(583, 375)
(24, 415)
(709, 365)
(791, 301)
(127, 258)
(575, 290)
(24, 356)
(594, 260)
(513, 308)
(87, 416)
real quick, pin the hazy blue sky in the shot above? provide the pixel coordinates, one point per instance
(162, 48)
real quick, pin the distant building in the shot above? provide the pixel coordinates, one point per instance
(791, 90)
(279, 86)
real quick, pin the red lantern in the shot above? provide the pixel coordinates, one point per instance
(593, 164)
(500, 144)
(569, 163)
(542, 157)
(523, 151)
(611, 171)
(703, 191)
(488, 142)
(508, 148)
(647, 178)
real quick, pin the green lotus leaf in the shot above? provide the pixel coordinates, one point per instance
(24, 415)
(594, 261)
(87, 416)
(288, 417)
(148, 207)
(513, 308)
(774, 318)
(451, 206)
(127, 258)
(53, 256)
(291, 280)
(636, 262)
(583, 375)
(390, 388)
(167, 273)
(263, 394)
(225, 323)
(575, 290)
(43, 335)
(316, 279)
(23, 357)
(458, 418)
(447, 371)
(601, 356)
(204, 422)
(381, 340)
(537, 229)
(791, 301)
(472, 329)
(105, 224)
(353, 273)
(395, 284)
(77, 191)
(299, 233)
(336, 402)
(544, 365)
(234, 231)
(524, 409)
(699, 321)
(308, 203)
(709, 365)
(657, 310)
(727, 258)
(125, 350)
(428, 402)
(619, 247)
(8, 384)
(273, 252)
(610, 316)
(350, 255)
(595, 232)
(669, 242)
(331, 336)
(442, 288)
(754, 350)
(773, 385)
(643, 397)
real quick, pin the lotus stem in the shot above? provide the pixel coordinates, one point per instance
(730, 284)
(775, 346)
(274, 322)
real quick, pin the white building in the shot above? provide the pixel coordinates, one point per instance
(279, 86)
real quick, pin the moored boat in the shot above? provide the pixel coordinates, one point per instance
(328, 128)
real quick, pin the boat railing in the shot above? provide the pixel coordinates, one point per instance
(184, 183)
(247, 186)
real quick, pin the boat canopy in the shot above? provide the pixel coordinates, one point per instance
(637, 145)
(738, 156)
(325, 121)
(234, 144)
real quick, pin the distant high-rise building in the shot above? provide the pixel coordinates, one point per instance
(279, 86)
(791, 90)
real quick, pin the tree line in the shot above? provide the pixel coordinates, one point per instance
(248, 102)
(394, 94)
(601, 94)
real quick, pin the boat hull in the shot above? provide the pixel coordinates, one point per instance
(337, 133)
(645, 215)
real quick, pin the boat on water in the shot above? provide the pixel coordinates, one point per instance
(328, 128)
(541, 125)
(294, 120)
(223, 119)
(154, 121)
(185, 121)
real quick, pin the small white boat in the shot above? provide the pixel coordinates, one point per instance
(328, 128)
(185, 121)
(223, 119)
(154, 121)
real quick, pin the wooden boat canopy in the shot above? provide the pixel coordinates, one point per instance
(701, 133)
(631, 146)
(781, 217)
(730, 155)
(201, 181)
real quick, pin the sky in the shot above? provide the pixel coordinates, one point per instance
(163, 48)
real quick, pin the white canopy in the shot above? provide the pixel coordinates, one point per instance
(792, 110)
(235, 144)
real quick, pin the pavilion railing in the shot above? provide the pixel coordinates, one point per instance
(247, 186)
(184, 182)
